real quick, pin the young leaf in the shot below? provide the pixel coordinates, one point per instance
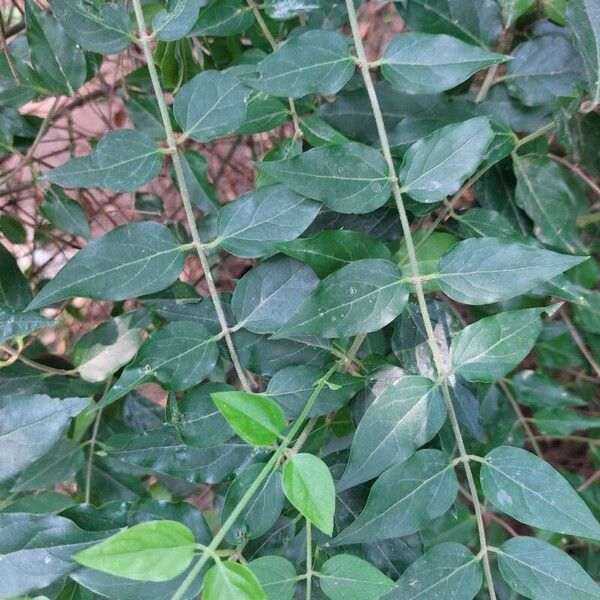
(422, 63)
(211, 105)
(254, 417)
(64, 213)
(481, 271)
(150, 551)
(267, 297)
(252, 225)
(490, 348)
(124, 160)
(176, 21)
(314, 62)
(404, 500)
(352, 578)
(308, 485)
(406, 415)
(528, 489)
(276, 575)
(448, 570)
(361, 297)
(583, 17)
(128, 261)
(348, 178)
(532, 567)
(438, 165)
(330, 250)
(30, 426)
(228, 580)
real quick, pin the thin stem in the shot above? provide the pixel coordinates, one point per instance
(577, 171)
(185, 196)
(16, 355)
(536, 134)
(432, 341)
(309, 571)
(580, 342)
(90, 461)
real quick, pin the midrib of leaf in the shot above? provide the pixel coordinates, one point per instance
(91, 16)
(299, 70)
(445, 579)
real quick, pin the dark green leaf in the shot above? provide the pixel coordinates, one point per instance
(512, 10)
(14, 323)
(176, 21)
(64, 213)
(14, 289)
(538, 390)
(223, 18)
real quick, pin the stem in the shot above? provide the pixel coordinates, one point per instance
(536, 134)
(580, 342)
(185, 196)
(432, 341)
(309, 571)
(90, 461)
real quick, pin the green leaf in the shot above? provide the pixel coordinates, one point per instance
(268, 295)
(176, 21)
(349, 178)
(532, 567)
(260, 513)
(14, 288)
(64, 213)
(254, 417)
(512, 10)
(252, 225)
(542, 68)
(30, 426)
(448, 570)
(150, 551)
(528, 489)
(317, 132)
(228, 580)
(405, 416)
(361, 297)
(329, 250)
(553, 198)
(404, 499)
(308, 485)
(557, 422)
(276, 575)
(583, 17)
(128, 261)
(104, 28)
(314, 62)
(223, 18)
(538, 390)
(14, 323)
(422, 63)
(124, 160)
(13, 230)
(195, 172)
(481, 271)
(438, 165)
(57, 59)
(492, 347)
(349, 577)
(211, 105)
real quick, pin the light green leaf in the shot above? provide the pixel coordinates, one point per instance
(532, 567)
(268, 295)
(423, 63)
(583, 17)
(361, 297)
(448, 570)
(553, 198)
(104, 28)
(349, 577)
(276, 575)
(150, 551)
(329, 250)
(490, 348)
(485, 270)
(64, 213)
(252, 225)
(30, 426)
(512, 10)
(404, 499)
(254, 417)
(437, 166)
(405, 416)
(348, 178)
(14, 323)
(57, 59)
(124, 160)
(314, 62)
(528, 489)
(176, 21)
(222, 18)
(211, 105)
(128, 261)
(228, 580)
(308, 485)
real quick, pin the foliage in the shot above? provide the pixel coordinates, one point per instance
(372, 411)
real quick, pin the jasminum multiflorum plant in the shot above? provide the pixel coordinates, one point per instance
(372, 410)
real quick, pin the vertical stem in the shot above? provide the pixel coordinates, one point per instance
(185, 196)
(309, 571)
(432, 341)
